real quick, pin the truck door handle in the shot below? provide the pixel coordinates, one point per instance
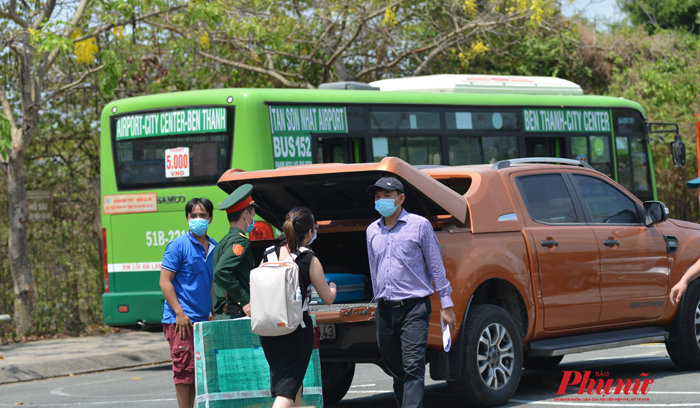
(611, 242)
(549, 243)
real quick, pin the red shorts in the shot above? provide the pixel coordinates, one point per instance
(182, 354)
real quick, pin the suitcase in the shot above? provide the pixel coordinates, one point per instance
(351, 288)
(231, 370)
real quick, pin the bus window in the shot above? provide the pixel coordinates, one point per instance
(141, 162)
(415, 150)
(499, 148)
(543, 146)
(595, 150)
(464, 150)
(624, 162)
(171, 148)
(579, 147)
(388, 118)
(482, 120)
(632, 159)
(340, 150)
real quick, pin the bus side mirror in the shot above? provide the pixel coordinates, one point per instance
(678, 152)
(655, 212)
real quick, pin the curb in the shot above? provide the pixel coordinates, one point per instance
(63, 368)
(65, 357)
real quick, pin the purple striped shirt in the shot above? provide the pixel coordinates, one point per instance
(405, 260)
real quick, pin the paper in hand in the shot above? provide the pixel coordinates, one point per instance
(446, 335)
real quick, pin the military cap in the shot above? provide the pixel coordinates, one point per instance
(238, 200)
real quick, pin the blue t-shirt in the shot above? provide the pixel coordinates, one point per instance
(185, 257)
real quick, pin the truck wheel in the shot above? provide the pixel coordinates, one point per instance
(541, 363)
(685, 350)
(336, 377)
(492, 358)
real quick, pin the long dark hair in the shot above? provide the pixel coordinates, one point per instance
(297, 223)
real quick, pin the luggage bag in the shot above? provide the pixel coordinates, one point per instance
(351, 288)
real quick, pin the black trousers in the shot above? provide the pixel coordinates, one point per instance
(402, 334)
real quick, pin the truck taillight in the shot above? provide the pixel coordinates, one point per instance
(105, 268)
(262, 230)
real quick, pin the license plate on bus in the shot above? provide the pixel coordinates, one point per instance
(327, 331)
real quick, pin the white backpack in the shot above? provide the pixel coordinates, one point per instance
(276, 302)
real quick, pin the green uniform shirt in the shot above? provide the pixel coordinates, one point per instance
(232, 263)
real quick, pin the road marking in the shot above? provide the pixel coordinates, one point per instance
(363, 385)
(595, 404)
(673, 392)
(370, 391)
(59, 391)
(72, 404)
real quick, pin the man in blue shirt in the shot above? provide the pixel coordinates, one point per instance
(405, 263)
(186, 282)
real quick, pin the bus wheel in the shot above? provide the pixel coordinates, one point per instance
(337, 378)
(492, 358)
(541, 363)
(685, 350)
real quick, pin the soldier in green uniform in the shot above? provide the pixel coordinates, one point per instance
(233, 259)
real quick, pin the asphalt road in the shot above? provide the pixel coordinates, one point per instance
(152, 386)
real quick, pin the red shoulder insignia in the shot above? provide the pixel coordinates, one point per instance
(238, 249)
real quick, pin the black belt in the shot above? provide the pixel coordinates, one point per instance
(234, 310)
(399, 303)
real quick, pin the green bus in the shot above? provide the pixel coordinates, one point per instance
(160, 151)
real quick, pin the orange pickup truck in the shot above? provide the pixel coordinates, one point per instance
(546, 257)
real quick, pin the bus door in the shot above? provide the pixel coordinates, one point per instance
(544, 146)
(333, 149)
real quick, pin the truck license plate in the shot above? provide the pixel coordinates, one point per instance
(327, 331)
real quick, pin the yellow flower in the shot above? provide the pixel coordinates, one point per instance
(118, 32)
(469, 6)
(203, 39)
(479, 48)
(86, 50)
(390, 16)
(537, 13)
(34, 35)
(466, 56)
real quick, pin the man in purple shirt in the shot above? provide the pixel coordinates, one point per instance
(405, 262)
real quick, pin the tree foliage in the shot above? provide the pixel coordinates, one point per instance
(662, 72)
(305, 43)
(34, 37)
(683, 15)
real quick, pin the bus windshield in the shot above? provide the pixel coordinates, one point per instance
(169, 153)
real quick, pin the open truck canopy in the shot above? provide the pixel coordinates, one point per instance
(339, 191)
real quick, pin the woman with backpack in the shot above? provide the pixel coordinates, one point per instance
(289, 355)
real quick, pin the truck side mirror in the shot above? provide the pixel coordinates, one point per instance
(678, 152)
(655, 212)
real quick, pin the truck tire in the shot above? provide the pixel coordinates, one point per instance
(541, 363)
(336, 377)
(685, 350)
(492, 358)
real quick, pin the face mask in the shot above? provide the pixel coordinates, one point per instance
(385, 206)
(199, 226)
(312, 239)
(250, 226)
